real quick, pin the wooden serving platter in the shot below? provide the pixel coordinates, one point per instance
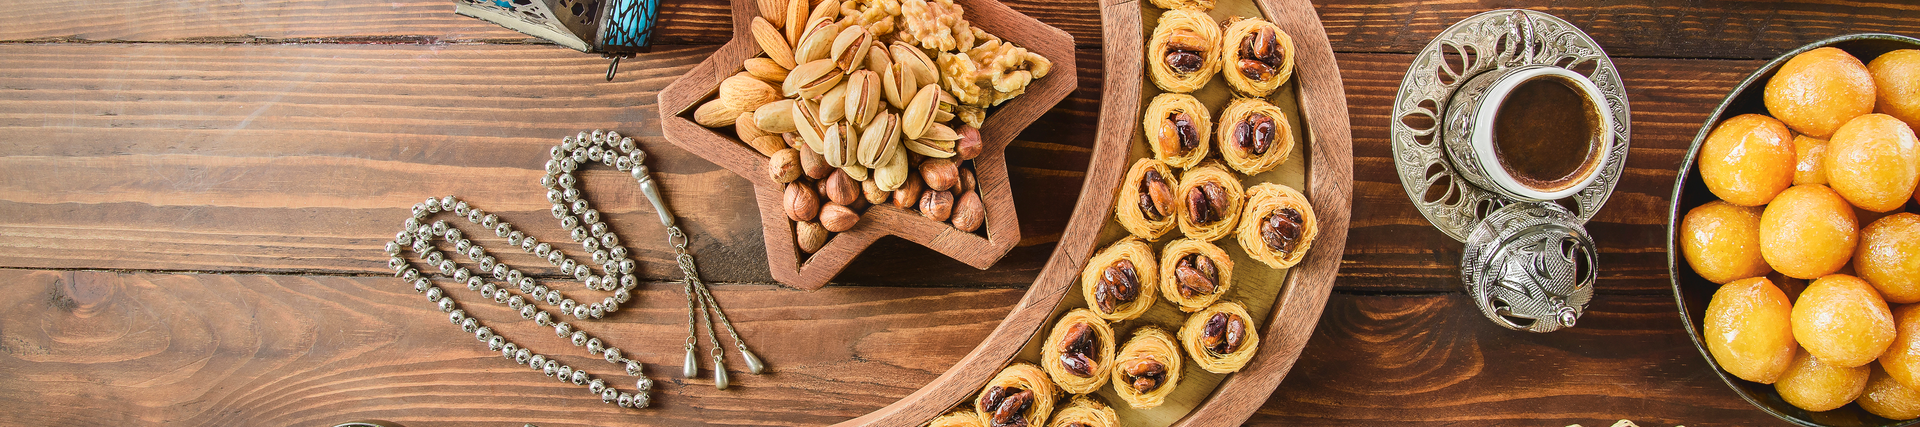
(794, 268)
(1286, 303)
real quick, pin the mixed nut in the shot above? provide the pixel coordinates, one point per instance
(851, 108)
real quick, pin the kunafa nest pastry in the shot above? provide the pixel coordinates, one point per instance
(1085, 411)
(1146, 206)
(1183, 53)
(1194, 274)
(1278, 226)
(1078, 353)
(1119, 281)
(1210, 198)
(964, 417)
(1199, 5)
(1221, 338)
(1254, 136)
(1021, 394)
(1256, 56)
(1177, 127)
(1148, 368)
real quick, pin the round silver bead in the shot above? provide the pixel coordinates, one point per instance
(626, 400)
(623, 163)
(599, 228)
(553, 297)
(433, 204)
(542, 318)
(577, 234)
(536, 361)
(487, 290)
(634, 368)
(446, 203)
(528, 311)
(525, 283)
(555, 257)
(500, 296)
(514, 276)
(641, 400)
(644, 384)
(503, 230)
(456, 316)
(555, 196)
(527, 242)
(562, 329)
(622, 295)
(627, 145)
(579, 338)
(578, 378)
(608, 306)
(551, 368)
(440, 228)
(483, 333)
(473, 283)
(515, 302)
(596, 386)
(628, 281)
(596, 311)
(446, 265)
(508, 349)
(599, 256)
(542, 249)
(469, 324)
(613, 355)
(393, 248)
(580, 312)
(446, 305)
(421, 285)
(579, 206)
(461, 275)
(405, 238)
(609, 395)
(490, 221)
(495, 343)
(594, 346)
(434, 294)
(566, 265)
(567, 305)
(460, 208)
(522, 355)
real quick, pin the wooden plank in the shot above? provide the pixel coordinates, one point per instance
(1649, 28)
(98, 347)
(82, 348)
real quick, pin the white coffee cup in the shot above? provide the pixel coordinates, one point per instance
(1470, 131)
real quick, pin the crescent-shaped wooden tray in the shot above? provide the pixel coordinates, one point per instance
(1324, 174)
(797, 269)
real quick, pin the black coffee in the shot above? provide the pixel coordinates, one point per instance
(1546, 133)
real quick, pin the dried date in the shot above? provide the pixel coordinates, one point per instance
(1255, 134)
(1145, 375)
(1223, 334)
(1281, 230)
(1156, 196)
(1119, 284)
(1196, 275)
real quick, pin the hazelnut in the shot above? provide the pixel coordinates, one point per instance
(936, 205)
(814, 165)
(939, 174)
(871, 189)
(908, 196)
(967, 180)
(802, 203)
(840, 189)
(810, 236)
(969, 212)
(838, 218)
(969, 144)
(784, 166)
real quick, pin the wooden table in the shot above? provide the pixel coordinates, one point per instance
(193, 197)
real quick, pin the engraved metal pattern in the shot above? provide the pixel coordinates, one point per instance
(1478, 44)
(1529, 266)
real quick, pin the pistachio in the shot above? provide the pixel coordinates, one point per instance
(939, 174)
(969, 145)
(863, 97)
(796, 19)
(877, 58)
(784, 166)
(840, 188)
(833, 104)
(836, 218)
(817, 42)
(776, 117)
(880, 140)
(807, 123)
(936, 205)
(895, 176)
(947, 107)
(802, 203)
(767, 35)
(715, 113)
(919, 112)
(898, 85)
(940, 132)
(813, 164)
(744, 92)
(766, 69)
(850, 47)
(870, 188)
(834, 139)
(969, 212)
(1156, 196)
(930, 148)
(914, 60)
(812, 79)
(811, 236)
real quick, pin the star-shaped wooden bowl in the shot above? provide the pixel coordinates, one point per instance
(800, 270)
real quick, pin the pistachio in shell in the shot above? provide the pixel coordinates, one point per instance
(930, 148)
(835, 142)
(877, 58)
(833, 104)
(893, 174)
(863, 97)
(880, 140)
(808, 125)
(899, 85)
(918, 116)
(850, 47)
(812, 79)
(817, 42)
(912, 59)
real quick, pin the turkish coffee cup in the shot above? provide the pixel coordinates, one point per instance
(1537, 132)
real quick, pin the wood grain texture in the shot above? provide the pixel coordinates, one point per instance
(1742, 29)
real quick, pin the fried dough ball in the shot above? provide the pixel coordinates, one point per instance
(1748, 330)
(1896, 81)
(1842, 320)
(1874, 162)
(1888, 398)
(1808, 232)
(1889, 257)
(1810, 153)
(1816, 386)
(1721, 242)
(1902, 359)
(1748, 159)
(1817, 91)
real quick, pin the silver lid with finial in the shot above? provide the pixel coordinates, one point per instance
(1530, 266)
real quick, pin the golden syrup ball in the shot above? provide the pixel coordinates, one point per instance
(1809, 153)
(1816, 386)
(1722, 242)
(1889, 257)
(1842, 321)
(1819, 90)
(1902, 359)
(1808, 232)
(1748, 159)
(1896, 81)
(1748, 331)
(1874, 162)
(1888, 398)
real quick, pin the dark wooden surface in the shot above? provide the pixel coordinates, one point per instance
(193, 194)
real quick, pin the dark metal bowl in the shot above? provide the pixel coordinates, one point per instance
(1692, 292)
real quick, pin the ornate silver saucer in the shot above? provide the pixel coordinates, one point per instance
(1481, 43)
